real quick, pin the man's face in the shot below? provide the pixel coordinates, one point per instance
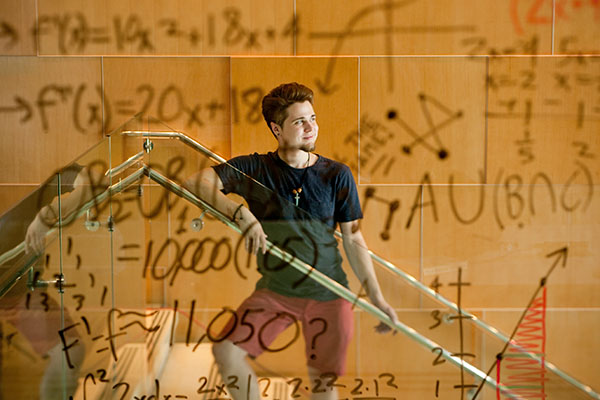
(300, 129)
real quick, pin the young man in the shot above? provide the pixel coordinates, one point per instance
(296, 198)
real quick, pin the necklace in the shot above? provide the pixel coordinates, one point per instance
(297, 192)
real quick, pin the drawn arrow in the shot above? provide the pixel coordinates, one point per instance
(326, 87)
(21, 105)
(560, 254)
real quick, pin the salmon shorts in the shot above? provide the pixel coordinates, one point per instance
(327, 327)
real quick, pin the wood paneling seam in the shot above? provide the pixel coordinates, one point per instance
(102, 95)
(230, 110)
(295, 29)
(553, 23)
(487, 97)
(358, 130)
(37, 29)
(421, 271)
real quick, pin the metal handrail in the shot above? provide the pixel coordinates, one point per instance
(312, 273)
(324, 280)
(329, 283)
(392, 268)
(15, 251)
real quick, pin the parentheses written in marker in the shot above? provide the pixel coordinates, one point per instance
(236, 264)
(495, 198)
(590, 184)
(77, 106)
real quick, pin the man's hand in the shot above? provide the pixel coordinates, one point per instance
(386, 308)
(360, 261)
(255, 237)
(35, 238)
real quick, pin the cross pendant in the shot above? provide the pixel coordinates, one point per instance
(297, 197)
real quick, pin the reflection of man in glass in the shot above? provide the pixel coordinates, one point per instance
(325, 195)
(40, 321)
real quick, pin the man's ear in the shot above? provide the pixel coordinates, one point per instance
(275, 128)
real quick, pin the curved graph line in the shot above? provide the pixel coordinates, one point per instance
(388, 30)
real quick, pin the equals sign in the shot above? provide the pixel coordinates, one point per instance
(122, 107)
(127, 247)
(552, 102)
(99, 35)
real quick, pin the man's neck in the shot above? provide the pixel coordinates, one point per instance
(294, 158)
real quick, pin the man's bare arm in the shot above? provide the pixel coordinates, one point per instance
(207, 185)
(87, 184)
(360, 260)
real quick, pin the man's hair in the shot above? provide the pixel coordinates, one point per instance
(277, 101)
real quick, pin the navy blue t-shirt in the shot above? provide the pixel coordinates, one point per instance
(328, 196)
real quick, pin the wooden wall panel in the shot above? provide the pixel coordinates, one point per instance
(87, 264)
(578, 324)
(156, 253)
(422, 118)
(577, 27)
(172, 242)
(160, 27)
(51, 113)
(542, 110)
(187, 94)
(411, 364)
(22, 370)
(391, 227)
(176, 160)
(101, 275)
(11, 195)
(416, 27)
(17, 28)
(217, 282)
(128, 259)
(492, 190)
(335, 103)
(504, 258)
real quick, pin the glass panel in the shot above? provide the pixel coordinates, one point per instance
(185, 281)
(152, 282)
(101, 275)
(170, 258)
(183, 265)
(66, 262)
(35, 251)
(138, 327)
(29, 320)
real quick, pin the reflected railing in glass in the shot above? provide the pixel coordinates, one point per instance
(137, 333)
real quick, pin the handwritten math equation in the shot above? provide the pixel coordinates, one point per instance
(508, 199)
(88, 107)
(383, 387)
(121, 323)
(460, 316)
(74, 33)
(568, 92)
(540, 12)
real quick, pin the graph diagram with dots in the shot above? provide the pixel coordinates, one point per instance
(432, 139)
